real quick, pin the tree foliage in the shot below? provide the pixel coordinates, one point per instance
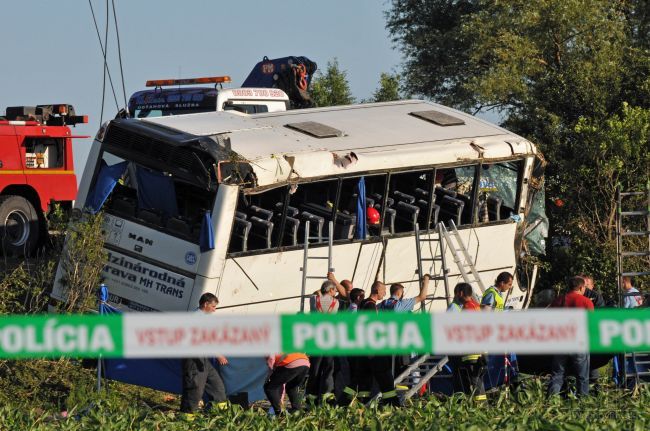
(82, 262)
(331, 88)
(388, 88)
(573, 76)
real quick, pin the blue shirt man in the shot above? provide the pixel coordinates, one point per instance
(631, 301)
(398, 303)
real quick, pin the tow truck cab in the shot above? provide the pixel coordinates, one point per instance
(190, 100)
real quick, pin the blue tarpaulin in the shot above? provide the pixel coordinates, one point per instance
(157, 191)
(361, 229)
(106, 180)
(240, 375)
(206, 236)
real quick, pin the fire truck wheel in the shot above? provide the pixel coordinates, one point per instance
(19, 226)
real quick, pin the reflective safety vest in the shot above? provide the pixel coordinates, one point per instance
(499, 302)
(287, 358)
(453, 305)
(319, 307)
(473, 358)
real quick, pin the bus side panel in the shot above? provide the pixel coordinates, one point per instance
(493, 252)
(272, 282)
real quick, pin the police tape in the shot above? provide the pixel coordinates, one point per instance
(169, 335)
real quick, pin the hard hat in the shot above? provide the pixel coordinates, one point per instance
(372, 215)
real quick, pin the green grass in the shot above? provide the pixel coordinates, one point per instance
(124, 407)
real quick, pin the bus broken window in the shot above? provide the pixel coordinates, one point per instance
(498, 191)
(155, 199)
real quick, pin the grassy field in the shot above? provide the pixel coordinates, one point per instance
(39, 398)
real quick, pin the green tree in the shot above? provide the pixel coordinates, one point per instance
(82, 262)
(331, 88)
(388, 88)
(573, 76)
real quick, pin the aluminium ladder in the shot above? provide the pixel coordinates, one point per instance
(306, 258)
(424, 367)
(435, 257)
(419, 372)
(464, 262)
(636, 365)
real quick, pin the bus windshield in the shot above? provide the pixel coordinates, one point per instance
(173, 101)
(155, 198)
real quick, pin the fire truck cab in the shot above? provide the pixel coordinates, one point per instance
(36, 171)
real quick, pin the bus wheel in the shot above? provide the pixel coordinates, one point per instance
(19, 226)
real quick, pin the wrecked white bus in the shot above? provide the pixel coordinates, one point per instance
(218, 202)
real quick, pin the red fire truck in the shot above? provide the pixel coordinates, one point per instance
(36, 171)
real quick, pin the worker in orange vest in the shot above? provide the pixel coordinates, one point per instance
(289, 370)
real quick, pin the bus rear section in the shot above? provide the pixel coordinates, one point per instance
(160, 201)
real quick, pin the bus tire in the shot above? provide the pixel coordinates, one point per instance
(19, 226)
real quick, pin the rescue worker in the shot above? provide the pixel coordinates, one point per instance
(199, 375)
(591, 292)
(398, 303)
(369, 368)
(344, 288)
(321, 373)
(289, 370)
(599, 302)
(468, 369)
(632, 298)
(578, 361)
(493, 296)
(457, 303)
(379, 367)
(342, 364)
(356, 297)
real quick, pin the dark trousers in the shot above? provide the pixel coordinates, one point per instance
(321, 376)
(401, 363)
(562, 365)
(378, 369)
(467, 377)
(341, 375)
(199, 377)
(292, 379)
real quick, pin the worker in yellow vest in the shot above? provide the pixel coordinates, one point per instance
(493, 296)
(289, 370)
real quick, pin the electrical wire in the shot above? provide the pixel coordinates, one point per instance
(101, 115)
(101, 46)
(119, 54)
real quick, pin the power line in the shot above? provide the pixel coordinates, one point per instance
(119, 54)
(107, 70)
(101, 115)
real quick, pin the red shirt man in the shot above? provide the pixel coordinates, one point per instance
(578, 361)
(471, 305)
(574, 299)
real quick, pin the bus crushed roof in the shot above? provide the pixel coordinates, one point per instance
(382, 136)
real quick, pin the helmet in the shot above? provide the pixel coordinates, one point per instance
(373, 216)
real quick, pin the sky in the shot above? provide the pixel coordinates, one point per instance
(51, 52)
